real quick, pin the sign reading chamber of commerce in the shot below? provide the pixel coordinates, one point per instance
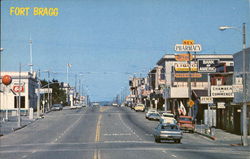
(206, 100)
(188, 46)
(207, 65)
(222, 92)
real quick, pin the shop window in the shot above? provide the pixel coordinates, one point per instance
(22, 101)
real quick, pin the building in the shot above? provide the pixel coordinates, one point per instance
(176, 70)
(236, 107)
(9, 94)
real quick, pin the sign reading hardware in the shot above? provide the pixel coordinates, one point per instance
(206, 100)
(188, 48)
(185, 67)
(207, 65)
(222, 92)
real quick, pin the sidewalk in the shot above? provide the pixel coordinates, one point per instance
(221, 136)
(10, 125)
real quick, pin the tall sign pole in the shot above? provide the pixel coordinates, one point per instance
(189, 84)
(188, 46)
(244, 108)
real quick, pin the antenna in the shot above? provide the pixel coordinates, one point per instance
(31, 64)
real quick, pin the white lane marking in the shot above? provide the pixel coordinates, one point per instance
(119, 134)
(148, 134)
(126, 141)
(24, 156)
(69, 128)
(129, 128)
(166, 153)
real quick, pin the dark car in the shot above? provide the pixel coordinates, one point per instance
(154, 116)
(57, 107)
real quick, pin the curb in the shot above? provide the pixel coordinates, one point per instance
(19, 128)
(206, 135)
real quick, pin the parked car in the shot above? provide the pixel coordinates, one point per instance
(149, 112)
(140, 107)
(154, 116)
(186, 123)
(167, 132)
(57, 107)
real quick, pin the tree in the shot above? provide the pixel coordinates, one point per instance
(58, 94)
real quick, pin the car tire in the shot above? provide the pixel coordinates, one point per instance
(157, 140)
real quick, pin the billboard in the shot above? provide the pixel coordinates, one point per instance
(207, 65)
(222, 91)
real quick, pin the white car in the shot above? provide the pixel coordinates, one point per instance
(168, 118)
(149, 112)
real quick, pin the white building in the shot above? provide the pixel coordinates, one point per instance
(9, 94)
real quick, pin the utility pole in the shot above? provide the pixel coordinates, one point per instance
(31, 60)
(244, 108)
(48, 98)
(208, 93)
(165, 90)
(38, 96)
(19, 98)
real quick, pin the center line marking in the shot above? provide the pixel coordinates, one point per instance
(98, 125)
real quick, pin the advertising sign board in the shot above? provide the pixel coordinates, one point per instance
(188, 48)
(186, 75)
(222, 91)
(221, 105)
(16, 88)
(183, 57)
(206, 100)
(185, 67)
(207, 65)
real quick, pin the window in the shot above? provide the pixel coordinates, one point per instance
(22, 102)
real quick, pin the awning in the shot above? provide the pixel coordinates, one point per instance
(199, 93)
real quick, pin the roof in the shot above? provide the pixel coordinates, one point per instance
(171, 57)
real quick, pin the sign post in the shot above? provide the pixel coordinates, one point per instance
(188, 46)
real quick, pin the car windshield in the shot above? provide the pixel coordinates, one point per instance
(186, 119)
(168, 115)
(56, 105)
(154, 114)
(169, 127)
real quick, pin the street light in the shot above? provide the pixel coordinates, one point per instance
(244, 108)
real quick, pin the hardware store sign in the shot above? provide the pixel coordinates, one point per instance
(222, 92)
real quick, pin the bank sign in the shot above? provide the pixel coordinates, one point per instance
(207, 65)
(222, 92)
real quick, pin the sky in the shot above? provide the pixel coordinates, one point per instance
(109, 41)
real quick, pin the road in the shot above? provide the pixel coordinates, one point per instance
(105, 133)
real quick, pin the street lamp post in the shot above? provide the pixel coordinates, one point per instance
(1, 49)
(244, 108)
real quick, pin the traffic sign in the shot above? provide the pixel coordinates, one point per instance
(188, 48)
(190, 102)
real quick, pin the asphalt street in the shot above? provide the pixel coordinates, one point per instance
(106, 133)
